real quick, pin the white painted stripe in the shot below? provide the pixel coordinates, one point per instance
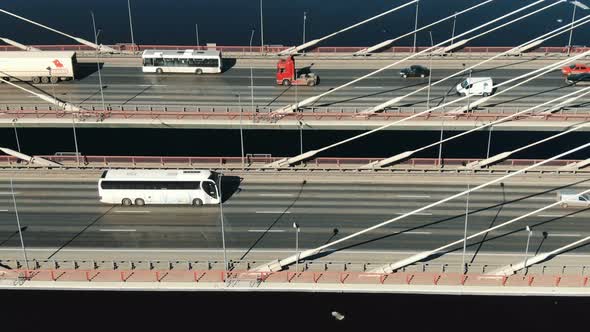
(564, 235)
(413, 196)
(273, 212)
(549, 215)
(368, 87)
(416, 214)
(541, 198)
(266, 231)
(9, 193)
(417, 233)
(3, 210)
(133, 211)
(117, 230)
(276, 195)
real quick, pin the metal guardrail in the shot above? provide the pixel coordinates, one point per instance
(264, 115)
(254, 279)
(279, 48)
(257, 163)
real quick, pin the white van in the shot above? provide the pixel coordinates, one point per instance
(572, 198)
(476, 86)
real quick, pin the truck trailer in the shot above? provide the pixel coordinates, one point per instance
(38, 67)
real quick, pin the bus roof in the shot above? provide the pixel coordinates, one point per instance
(156, 174)
(180, 54)
(37, 54)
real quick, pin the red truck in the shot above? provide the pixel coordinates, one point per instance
(288, 75)
(578, 68)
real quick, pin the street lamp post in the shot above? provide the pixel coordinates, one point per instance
(301, 124)
(465, 230)
(197, 32)
(429, 75)
(261, 29)
(528, 239)
(416, 24)
(75, 140)
(241, 129)
(20, 232)
(98, 61)
(219, 192)
(489, 141)
(131, 25)
(582, 6)
(16, 135)
(453, 32)
(52, 83)
(296, 227)
(251, 77)
(304, 21)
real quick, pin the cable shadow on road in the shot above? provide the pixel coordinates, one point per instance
(23, 228)
(370, 95)
(275, 221)
(507, 65)
(80, 233)
(491, 223)
(388, 236)
(279, 96)
(525, 97)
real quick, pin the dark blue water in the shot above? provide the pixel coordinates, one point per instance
(229, 22)
(191, 311)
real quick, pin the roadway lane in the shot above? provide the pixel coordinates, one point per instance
(259, 215)
(129, 86)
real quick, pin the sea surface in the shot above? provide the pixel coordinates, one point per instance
(230, 22)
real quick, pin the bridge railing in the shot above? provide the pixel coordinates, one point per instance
(255, 279)
(278, 48)
(257, 162)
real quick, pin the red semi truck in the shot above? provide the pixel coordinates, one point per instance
(287, 74)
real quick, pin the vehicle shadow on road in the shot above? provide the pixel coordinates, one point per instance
(275, 221)
(388, 236)
(229, 186)
(227, 64)
(84, 70)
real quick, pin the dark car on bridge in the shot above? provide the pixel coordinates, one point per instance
(583, 78)
(415, 71)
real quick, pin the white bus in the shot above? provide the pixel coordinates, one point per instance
(187, 61)
(139, 187)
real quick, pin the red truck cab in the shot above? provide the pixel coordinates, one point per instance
(287, 74)
(578, 68)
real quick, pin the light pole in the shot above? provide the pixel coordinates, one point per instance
(584, 7)
(20, 232)
(416, 24)
(489, 140)
(52, 84)
(219, 192)
(528, 239)
(304, 21)
(197, 32)
(241, 129)
(75, 140)
(98, 60)
(251, 76)
(301, 124)
(261, 29)
(16, 135)
(131, 25)
(465, 230)
(430, 74)
(453, 32)
(296, 227)
(440, 146)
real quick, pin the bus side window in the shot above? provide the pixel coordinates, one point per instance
(158, 62)
(148, 62)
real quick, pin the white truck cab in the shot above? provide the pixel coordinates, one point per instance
(572, 198)
(476, 86)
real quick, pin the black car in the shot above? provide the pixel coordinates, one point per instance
(415, 71)
(578, 78)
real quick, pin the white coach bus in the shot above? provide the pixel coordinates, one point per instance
(187, 61)
(139, 187)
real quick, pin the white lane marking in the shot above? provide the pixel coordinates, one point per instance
(564, 235)
(148, 85)
(417, 233)
(415, 214)
(541, 198)
(9, 193)
(549, 215)
(266, 231)
(413, 196)
(3, 210)
(276, 195)
(133, 211)
(116, 230)
(368, 87)
(273, 212)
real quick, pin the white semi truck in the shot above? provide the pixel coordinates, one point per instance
(38, 67)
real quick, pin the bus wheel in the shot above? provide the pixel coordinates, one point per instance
(286, 82)
(197, 202)
(36, 80)
(159, 71)
(563, 205)
(310, 83)
(199, 72)
(126, 202)
(44, 79)
(54, 79)
(139, 202)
